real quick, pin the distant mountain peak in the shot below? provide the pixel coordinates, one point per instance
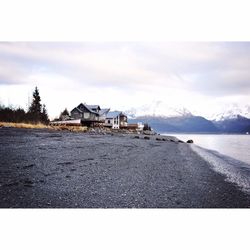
(163, 118)
(157, 109)
(232, 112)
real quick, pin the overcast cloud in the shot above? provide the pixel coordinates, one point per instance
(199, 76)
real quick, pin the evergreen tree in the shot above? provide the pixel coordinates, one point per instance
(36, 112)
(44, 115)
(19, 115)
(146, 127)
(35, 108)
(64, 114)
(9, 114)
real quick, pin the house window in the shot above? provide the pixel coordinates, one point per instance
(108, 121)
(86, 115)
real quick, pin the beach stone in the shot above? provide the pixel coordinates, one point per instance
(158, 139)
(137, 137)
(11, 184)
(190, 141)
(29, 185)
(149, 132)
(29, 182)
(29, 166)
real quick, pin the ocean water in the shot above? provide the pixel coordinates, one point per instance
(235, 146)
(227, 154)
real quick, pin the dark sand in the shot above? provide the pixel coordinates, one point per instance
(48, 169)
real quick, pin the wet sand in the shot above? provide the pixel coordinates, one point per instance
(50, 169)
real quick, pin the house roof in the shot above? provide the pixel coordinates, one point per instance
(113, 114)
(93, 106)
(76, 109)
(88, 107)
(103, 111)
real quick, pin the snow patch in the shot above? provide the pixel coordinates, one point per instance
(232, 112)
(159, 109)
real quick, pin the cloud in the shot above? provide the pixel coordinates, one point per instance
(209, 68)
(11, 73)
(185, 71)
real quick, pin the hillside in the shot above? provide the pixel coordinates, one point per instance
(239, 124)
(183, 124)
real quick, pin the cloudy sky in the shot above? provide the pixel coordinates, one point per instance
(202, 77)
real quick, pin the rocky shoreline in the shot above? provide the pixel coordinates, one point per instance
(60, 169)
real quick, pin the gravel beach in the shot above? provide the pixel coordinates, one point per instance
(53, 169)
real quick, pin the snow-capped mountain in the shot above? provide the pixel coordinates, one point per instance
(232, 112)
(164, 118)
(157, 109)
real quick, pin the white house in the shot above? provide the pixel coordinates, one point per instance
(115, 120)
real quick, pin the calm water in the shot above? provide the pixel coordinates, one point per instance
(228, 155)
(235, 146)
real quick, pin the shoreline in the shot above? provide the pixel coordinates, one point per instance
(96, 130)
(234, 170)
(53, 169)
(234, 146)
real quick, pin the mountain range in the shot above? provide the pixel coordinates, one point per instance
(180, 120)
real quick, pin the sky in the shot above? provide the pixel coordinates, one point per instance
(203, 77)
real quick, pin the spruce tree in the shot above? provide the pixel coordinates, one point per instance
(35, 108)
(64, 114)
(44, 115)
